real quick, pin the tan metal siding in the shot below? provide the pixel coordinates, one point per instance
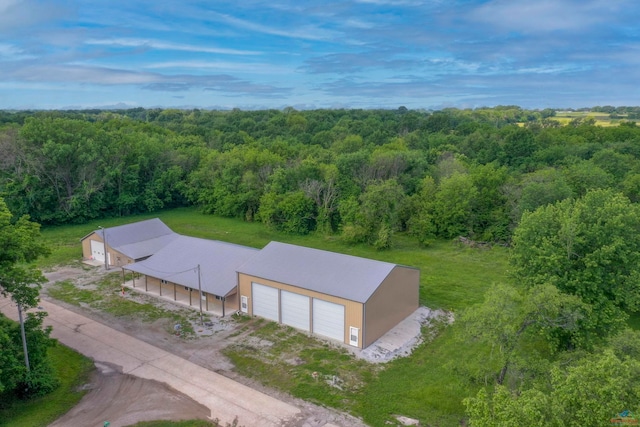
(86, 245)
(395, 299)
(116, 259)
(353, 310)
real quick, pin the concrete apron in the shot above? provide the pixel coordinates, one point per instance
(225, 398)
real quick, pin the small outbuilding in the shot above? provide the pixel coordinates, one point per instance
(127, 243)
(197, 272)
(350, 299)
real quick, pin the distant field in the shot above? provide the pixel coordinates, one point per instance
(602, 119)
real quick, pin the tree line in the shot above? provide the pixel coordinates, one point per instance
(362, 174)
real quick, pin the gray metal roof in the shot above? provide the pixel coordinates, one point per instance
(139, 239)
(177, 263)
(331, 273)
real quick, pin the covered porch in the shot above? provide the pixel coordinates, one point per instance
(183, 295)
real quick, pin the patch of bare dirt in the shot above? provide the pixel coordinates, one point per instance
(123, 400)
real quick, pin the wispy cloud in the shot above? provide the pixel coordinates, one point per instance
(305, 32)
(20, 15)
(161, 45)
(543, 16)
(243, 67)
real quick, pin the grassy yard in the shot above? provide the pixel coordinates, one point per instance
(72, 370)
(421, 386)
(424, 385)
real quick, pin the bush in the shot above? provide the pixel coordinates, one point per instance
(39, 381)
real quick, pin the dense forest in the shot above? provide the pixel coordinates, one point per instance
(363, 174)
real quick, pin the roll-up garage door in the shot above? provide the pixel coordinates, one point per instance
(97, 250)
(265, 301)
(295, 310)
(328, 319)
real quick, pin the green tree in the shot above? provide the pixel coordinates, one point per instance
(541, 188)
(291, 212)
(585, 175)
(510, 319)
(589, 247)
(589, 392)
(489, 214)
(519, 146)
(453, 206)
(324, 192)
(505, 408)
(374, 216)
(20, 244)
(420, 222)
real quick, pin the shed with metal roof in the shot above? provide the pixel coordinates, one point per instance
(191, 270)
(128, 243)
(347, 298)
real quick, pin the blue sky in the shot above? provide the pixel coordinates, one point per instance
(254, 54)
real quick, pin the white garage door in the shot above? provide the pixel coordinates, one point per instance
(265, 301)
(295, 310)
(328, 319)
(97, 250)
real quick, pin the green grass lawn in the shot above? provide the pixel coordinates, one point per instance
(72, 370)
(421, 386)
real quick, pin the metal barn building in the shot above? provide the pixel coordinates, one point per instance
(350, 299)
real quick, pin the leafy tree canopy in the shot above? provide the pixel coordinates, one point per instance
(589, 247)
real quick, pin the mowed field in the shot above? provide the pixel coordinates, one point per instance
(425, 385)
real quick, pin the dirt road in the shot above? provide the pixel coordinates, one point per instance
(225, 398)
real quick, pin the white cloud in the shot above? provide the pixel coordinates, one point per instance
(254, 68)
(6, 4)
(21, 15)
(7, 49)
(307, 32)
(546, 15)
(160, 45)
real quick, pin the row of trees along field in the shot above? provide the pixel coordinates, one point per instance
(364, 174)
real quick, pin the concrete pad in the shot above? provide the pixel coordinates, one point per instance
(402, 338)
